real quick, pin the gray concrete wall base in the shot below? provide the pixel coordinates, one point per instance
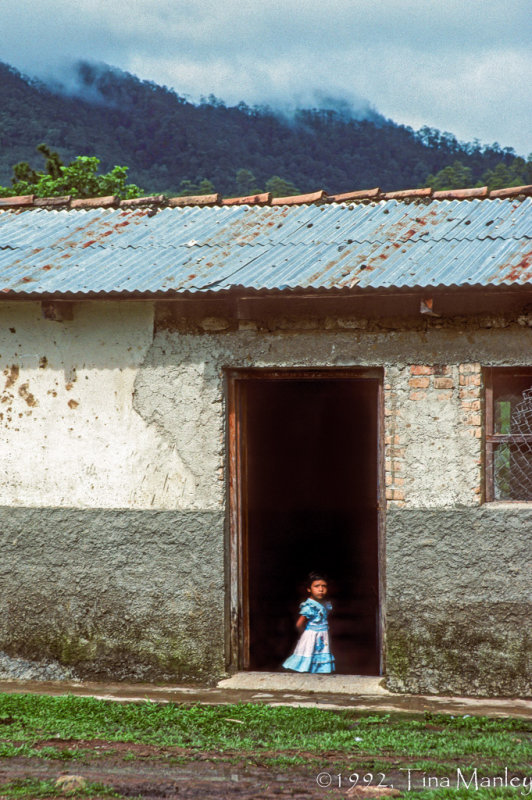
(458, 601)
(113, 593)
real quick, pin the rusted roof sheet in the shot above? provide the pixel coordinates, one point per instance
(384, 244)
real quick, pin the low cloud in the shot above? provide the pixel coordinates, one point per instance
(457, 66)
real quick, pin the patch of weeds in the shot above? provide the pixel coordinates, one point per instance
(17, 750)
(284, 761)
(35, 789)
(463, 794)
(247, 728)
(60, 754)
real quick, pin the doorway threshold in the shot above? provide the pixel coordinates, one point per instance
(366, 685)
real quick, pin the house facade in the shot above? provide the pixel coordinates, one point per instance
(200, 404)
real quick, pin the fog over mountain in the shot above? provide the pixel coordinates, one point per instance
(171, 144)
(455, 66)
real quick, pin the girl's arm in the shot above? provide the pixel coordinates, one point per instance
(301, 624)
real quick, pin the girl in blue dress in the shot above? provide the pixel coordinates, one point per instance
(312, 652)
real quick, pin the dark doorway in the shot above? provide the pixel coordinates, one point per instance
(309, 486)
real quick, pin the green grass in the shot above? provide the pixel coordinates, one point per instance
(35, 789)
(276, 732)
(465, 794)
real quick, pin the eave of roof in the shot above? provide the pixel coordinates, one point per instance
(161, 201)
(365, 241)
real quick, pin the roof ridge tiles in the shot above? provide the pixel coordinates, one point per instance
(300, 199)
(195, 200)
(460, 194)
(95, 202)
(151, 200)
(512, 191)
(363, 194)
(405, 194)
(421, 195)
(261, 199)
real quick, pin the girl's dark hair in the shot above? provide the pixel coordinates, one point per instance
(316, 576)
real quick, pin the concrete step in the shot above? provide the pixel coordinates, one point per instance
(366, 685)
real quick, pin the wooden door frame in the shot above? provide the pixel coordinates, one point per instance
(237, 602)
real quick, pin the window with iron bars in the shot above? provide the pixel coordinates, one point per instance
(508, 433)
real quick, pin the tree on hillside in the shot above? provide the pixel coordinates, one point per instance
(517, 172)
(80, 178)
(246, 183)
(454, 176)
(189, 189)
(279, 187)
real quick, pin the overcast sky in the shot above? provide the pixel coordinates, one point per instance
(458, 65)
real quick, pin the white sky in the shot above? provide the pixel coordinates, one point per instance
(458, 65)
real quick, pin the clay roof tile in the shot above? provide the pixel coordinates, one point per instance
(512, 191)
(300, 199)
(252, 200)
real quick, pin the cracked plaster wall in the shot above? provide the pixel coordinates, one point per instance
(147, 432)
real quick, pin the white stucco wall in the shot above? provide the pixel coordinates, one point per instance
(69, 433)
(98, 412)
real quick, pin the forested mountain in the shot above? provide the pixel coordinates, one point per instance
(171, 144)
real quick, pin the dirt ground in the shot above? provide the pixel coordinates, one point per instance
(155, 773)
(151, 772)
(136, 770)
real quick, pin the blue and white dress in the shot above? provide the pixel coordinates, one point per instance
(312, 652)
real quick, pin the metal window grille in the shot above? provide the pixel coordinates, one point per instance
(509, 434)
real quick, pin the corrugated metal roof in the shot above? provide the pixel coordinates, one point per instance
(335, 246)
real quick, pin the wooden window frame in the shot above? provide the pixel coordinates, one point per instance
(490, 437)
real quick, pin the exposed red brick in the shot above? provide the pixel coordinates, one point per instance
(195, 200)
(512, 191)
(473, 366)
(468, 393)
(418, 395)
(443, 383)
(17, 200)
(134, 202)
(421, 369)
(299, 199)
(251, 200)
(364, 194)
(469, 380)
(406, 193)
(470, 405)
(52, 202)
(460, 194)
(419, 383)
(95, 202)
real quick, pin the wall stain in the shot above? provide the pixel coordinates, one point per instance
(12, 375)
(27, 395)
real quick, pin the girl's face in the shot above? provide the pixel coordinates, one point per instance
(318, 590)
